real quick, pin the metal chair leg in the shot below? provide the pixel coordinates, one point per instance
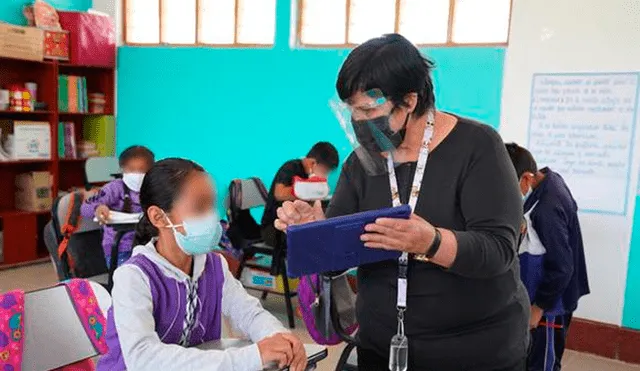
(287, 298)
(344, 357)
(114, 259)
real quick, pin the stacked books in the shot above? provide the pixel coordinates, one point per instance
(88, 149)
(67, 140)
(72, 94)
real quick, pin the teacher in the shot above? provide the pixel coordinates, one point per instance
(464, 307)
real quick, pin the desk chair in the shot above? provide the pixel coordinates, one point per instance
(54, 335)
(88, 240)
(348, 358)
(253, 196)
(100, 170)
(88, 235)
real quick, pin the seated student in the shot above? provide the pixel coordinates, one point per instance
(120, 195)
(320, 161)
(171, 294)
(551, 258)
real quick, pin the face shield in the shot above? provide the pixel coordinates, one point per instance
(367, 126)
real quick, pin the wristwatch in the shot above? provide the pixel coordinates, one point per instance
(432, 250)
(435, 245)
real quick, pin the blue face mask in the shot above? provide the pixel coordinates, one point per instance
(526, 196)
(202, 234)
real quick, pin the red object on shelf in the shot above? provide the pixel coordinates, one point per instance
(56, 45)
(92, 38)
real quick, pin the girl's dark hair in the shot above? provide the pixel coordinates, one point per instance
(134, 152)
(161, 187)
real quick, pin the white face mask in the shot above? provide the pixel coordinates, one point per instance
(133, 180)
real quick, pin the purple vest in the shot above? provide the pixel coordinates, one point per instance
(170, 309)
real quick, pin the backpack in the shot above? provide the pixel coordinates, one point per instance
(77, 252)
(243, 230)
(322, 297)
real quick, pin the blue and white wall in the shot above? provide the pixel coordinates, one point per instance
(242, 112)
(583, 36)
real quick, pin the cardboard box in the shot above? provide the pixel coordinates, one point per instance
(33, 191)
(21, 42)
(261, 280)
(56, 45)
(31, 139)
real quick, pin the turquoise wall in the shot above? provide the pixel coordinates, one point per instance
(631, 312)
(11, 10)
(243, 112)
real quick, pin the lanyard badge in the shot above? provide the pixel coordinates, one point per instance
(399, 349)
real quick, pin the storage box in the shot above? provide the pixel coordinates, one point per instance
(21, 42)
(262, 280)
(56, 45)
(31, 139)
(33, 191)
(92, 38)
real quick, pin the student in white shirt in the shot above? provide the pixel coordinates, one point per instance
(170, 296)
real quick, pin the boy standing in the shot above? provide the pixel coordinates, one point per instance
(551, 258)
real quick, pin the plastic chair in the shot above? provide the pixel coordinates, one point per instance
(100, 170)
(54, 336)
(252, 197)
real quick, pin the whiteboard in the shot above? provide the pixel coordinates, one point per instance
(582, 126)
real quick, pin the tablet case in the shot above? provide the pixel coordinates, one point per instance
(334, 244)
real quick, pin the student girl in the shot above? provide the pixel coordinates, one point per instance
(170, 295)
(120, 195)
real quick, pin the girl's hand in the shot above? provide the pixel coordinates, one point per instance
(414, 235)
(298, 212)
(276, 348)
(299, 362)
(102, 214)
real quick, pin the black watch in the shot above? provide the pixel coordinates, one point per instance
(435, 245)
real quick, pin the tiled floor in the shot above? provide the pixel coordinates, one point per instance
(39, 276)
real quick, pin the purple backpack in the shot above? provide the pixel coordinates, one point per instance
(317, 294)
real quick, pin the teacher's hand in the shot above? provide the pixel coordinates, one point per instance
(414, 235)
(298, 212)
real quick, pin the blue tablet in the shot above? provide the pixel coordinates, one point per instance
(334, 244)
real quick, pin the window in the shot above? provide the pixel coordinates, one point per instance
(200, 22)
(424, 22)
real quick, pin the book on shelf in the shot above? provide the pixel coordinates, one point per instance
(100, 130)
(67, 147)
(72, 94)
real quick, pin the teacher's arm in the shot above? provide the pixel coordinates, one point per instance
(491, 205)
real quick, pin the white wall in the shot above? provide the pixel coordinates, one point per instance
(550, 36)
(113, 8)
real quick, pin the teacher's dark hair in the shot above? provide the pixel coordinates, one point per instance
(522, 159)
(161, 187)
(392, 64)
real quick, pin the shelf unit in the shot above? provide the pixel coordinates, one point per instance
(22, 230)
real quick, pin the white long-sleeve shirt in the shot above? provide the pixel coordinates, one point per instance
(135, 324)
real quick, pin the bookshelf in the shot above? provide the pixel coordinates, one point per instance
(22, 230)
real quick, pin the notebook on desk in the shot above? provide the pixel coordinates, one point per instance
(334, 244)
(117, 217)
